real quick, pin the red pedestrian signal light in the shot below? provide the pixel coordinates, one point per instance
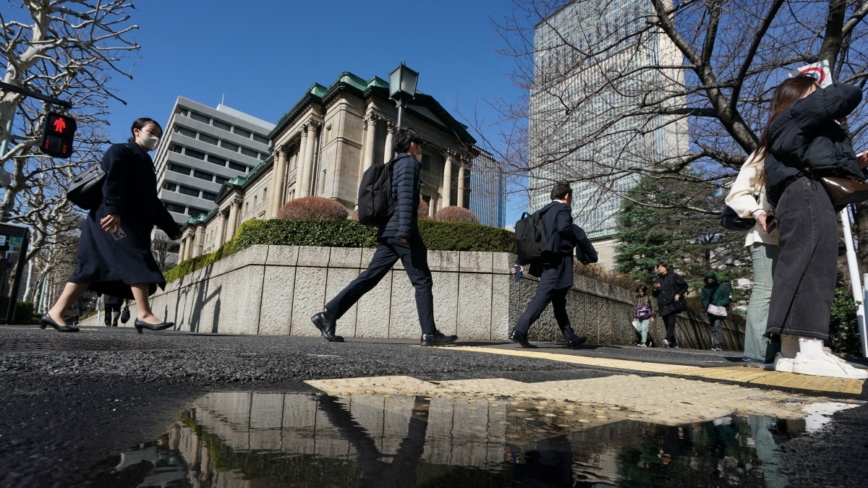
(58, 135)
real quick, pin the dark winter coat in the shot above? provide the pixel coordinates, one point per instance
(671, 284)
(805, 136)
(585, 252)
(405, 194)
(716, 293)
(557, 257)
(130, 190)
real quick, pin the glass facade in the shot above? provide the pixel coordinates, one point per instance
(586, 124)
(488, 191)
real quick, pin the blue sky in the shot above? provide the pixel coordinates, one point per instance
(262, 55)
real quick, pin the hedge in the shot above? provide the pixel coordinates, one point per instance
(437, 236)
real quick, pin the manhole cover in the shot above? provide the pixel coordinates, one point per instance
(31, 344)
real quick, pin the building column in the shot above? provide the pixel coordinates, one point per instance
(234, 208)
(447, 182)
(199, 245)
(432, 206)
(303, 183)
(461, 185)
(221, 228)
(390, 132)
(278, 174)
(370, 138)
(182, 249)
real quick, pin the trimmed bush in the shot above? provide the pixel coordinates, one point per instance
(313, 208)
(438, 236)
(456, 214)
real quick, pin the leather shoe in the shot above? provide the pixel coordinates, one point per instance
(578, 341)
(47, 320)
(139, 325)
(326, 323)
(521, 338)
(437, 339)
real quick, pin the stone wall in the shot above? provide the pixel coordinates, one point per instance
(274, 290)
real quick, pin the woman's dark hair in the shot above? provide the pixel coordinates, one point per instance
(642, 288)
(786, 94)
(402, 139)
(140, 124)
(661, 263)
(561, 190)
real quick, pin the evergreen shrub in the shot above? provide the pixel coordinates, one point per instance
(844, 327)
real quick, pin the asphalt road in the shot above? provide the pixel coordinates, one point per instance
(70, 401)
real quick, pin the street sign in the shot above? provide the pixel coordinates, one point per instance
(58, 135)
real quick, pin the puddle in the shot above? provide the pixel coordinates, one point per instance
(269, 440)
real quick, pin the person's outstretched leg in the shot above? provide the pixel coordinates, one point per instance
(71, 292)
(559, 306)
(145, 319)
(535, 308)
(669, 320)
(414, 257)
(326, 321)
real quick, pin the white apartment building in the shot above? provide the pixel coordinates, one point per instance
(202, 148)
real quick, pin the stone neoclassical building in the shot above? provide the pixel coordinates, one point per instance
(321, 147)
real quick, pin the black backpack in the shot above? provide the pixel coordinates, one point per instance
(85, 190)
(375, 194)
(530, 237)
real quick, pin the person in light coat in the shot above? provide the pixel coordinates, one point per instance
(748, 199)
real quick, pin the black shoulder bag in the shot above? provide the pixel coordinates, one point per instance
(85, 190)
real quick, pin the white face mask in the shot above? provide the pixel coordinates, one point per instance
(148, 140)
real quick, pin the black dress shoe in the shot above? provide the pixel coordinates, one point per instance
(578, 341)
(47, 320)
(437, 339)
(521, 338)
(327, 323)
(139, 325)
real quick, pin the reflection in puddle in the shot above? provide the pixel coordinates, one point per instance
(282, 440)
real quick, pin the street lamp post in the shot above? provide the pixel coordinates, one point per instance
(402, 88)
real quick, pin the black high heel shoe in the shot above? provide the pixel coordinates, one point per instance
(47, 320)
(139, 325)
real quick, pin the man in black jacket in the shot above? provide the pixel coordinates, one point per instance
(397, 239)
(669, 288)
(556, 277)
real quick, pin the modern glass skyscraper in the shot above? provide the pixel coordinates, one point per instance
(488, 191)
(586, 124)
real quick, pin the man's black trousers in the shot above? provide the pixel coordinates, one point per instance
(669, 321)
(414, 256)
(546, 293)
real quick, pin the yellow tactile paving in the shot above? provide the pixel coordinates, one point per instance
(660, 399)
(738, 374)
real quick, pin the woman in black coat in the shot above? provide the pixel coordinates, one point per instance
(114, 252)
(805, 140)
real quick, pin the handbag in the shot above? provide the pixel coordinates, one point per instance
(731, 221)
(716, 310)
(844, 190)
(643, 313)
(679, 305)
(85, 190)
(125, 314)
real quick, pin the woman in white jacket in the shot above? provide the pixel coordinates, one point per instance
(748, 198)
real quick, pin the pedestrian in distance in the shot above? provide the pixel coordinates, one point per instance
(114, 250)
(556, 268)
(806, 137)
(645, 311)
(112, 309)
(669, 288)
(715, 299)
(748, 198)
(398, 238)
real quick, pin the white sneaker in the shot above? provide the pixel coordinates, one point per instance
(827, 365)
(782, 364)
(665, 343)
(642, 344)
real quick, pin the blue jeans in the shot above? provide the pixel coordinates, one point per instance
(643, 329)
(756, 346)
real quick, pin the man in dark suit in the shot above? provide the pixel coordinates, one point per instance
(398, 238)
(556, 277)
